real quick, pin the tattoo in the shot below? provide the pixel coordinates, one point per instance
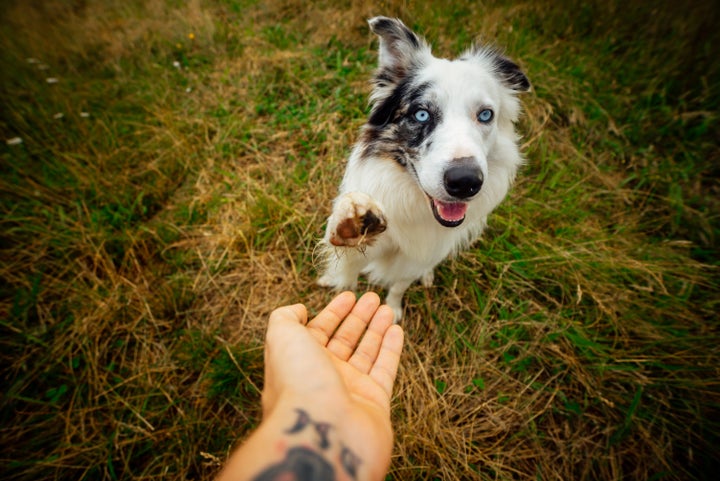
(349, 461)
(321, 428)
(301, 464)
(304, 464)
(302, 421)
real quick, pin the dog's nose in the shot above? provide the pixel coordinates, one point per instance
(464, 179)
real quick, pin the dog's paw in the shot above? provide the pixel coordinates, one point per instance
(355, 221)
(337, 282)
(428, 278)
(326, 280)
(397, 314)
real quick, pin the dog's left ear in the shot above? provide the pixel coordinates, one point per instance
(508, 71)
(510, 74)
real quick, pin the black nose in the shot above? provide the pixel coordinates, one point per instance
(464, 179)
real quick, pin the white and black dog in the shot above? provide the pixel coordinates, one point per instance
(437, 155)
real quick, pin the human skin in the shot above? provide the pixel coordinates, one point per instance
(326, 397)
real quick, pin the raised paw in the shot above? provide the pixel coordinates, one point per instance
(355, 221)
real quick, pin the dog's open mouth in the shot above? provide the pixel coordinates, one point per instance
(449, 214)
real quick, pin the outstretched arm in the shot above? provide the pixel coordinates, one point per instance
(326, 399)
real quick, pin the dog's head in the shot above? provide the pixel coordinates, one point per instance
(444, 121)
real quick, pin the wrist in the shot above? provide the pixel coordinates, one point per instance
(299, 435)
(358, 446)
(303, 437)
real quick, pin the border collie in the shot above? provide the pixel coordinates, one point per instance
(437, 154)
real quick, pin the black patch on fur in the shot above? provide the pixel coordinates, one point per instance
(414, 133)
(508, 71)
(388, 110)
(384, 111)
(392, 129)
(411, 38)
(395, 29)
(384, 78)
(400, 44)
(383, 146)
(372, 224)
(511, 74)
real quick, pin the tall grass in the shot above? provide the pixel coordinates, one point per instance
(168, 189)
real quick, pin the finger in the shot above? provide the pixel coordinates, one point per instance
(367, 351)
(281, 320)
(296, 313)
(385, 368)
(324, 324)
(347, 336)
(280, 327)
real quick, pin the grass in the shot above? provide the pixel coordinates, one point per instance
(172, 184)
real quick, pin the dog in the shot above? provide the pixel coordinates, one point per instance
(437, 154)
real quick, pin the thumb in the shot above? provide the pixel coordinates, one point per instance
(295, 314)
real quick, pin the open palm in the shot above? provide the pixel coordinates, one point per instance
(345, 360)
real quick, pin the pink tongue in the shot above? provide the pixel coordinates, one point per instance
(452, 211)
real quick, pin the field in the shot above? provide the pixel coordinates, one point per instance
(166, 169)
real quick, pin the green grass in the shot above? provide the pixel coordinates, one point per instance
(172, 185)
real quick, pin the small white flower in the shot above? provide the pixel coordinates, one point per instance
(59, 115)
(14, 141)
(84, 114)
(188, 90)
(51, 80)
(176, 64)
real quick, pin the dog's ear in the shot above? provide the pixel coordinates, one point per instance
(511, 74)
(508, 71)
(400, 48)
(401, 52)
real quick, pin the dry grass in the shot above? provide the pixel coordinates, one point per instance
(148, 231)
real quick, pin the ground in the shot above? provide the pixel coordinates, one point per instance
(167, 169)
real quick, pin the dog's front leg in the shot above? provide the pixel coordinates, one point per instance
(395, 296)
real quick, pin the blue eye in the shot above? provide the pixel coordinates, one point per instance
(485, 115)
(422, 115)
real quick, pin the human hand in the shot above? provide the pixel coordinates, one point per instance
(342, 363)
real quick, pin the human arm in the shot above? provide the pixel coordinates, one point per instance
(326, 398)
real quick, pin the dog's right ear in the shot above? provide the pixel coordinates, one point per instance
(400, 48)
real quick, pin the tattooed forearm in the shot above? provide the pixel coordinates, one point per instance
(302, 463)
